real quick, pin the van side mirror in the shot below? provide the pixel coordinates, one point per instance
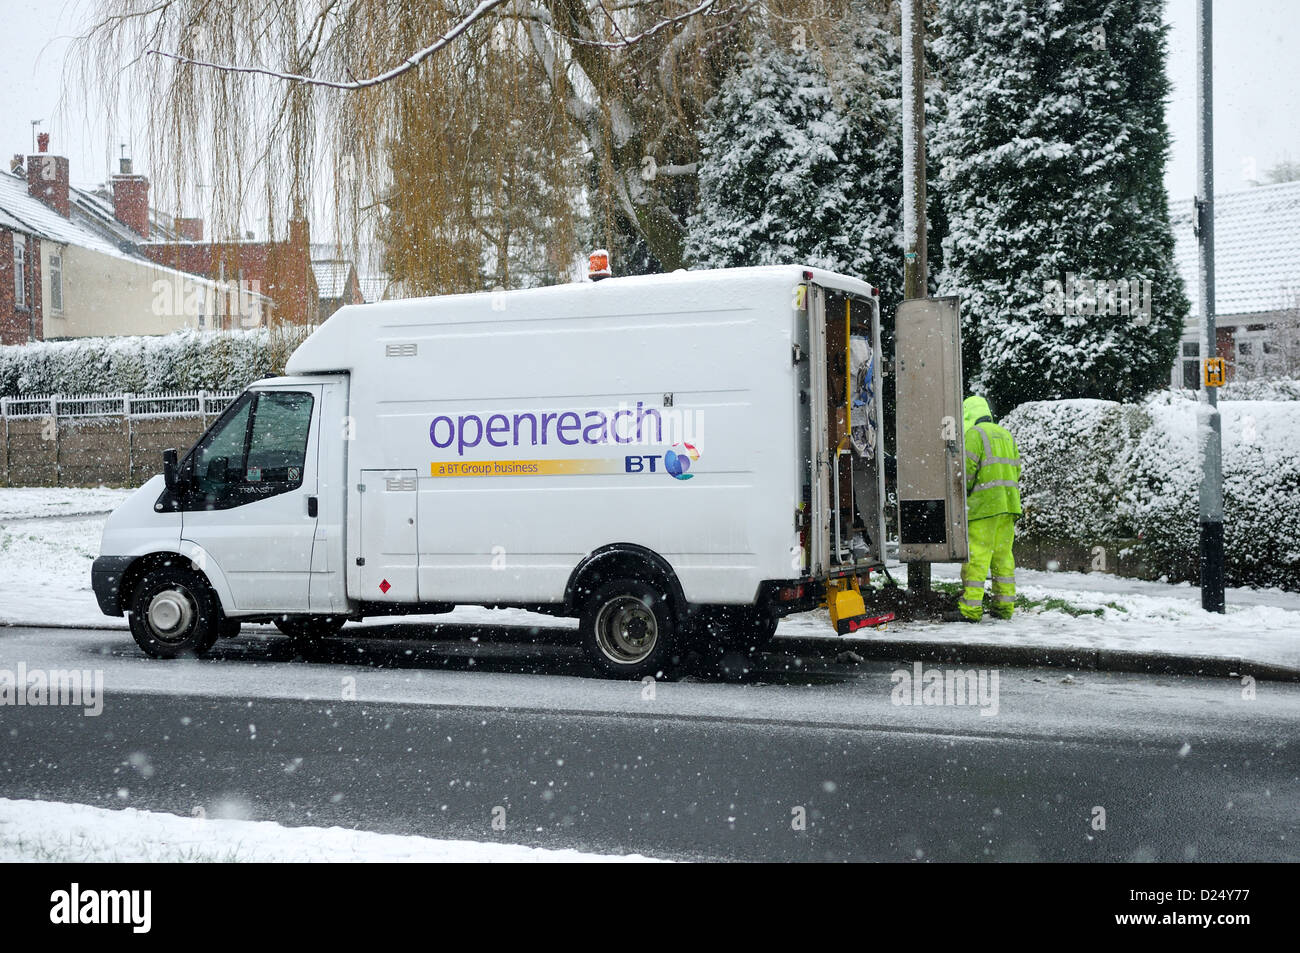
(169, 468)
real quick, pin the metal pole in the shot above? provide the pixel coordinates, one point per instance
(1209, 425)
(914, 258)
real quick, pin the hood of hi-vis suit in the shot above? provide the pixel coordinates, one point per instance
(972, 409)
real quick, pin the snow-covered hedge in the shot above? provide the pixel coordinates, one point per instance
(184, 361)
(1097, 471)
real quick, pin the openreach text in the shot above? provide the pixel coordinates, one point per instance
(625, 425)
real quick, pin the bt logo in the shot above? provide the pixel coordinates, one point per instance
(677, 462)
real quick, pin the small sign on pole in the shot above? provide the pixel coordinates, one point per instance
(1215, 372)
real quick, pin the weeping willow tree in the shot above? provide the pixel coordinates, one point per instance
(483, 144)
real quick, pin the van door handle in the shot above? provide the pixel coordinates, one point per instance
(312, 506)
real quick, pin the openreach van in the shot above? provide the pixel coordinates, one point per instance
(669, 459)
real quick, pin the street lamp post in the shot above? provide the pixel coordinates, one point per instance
(1209, 428)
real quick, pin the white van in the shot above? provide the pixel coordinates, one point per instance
(658, 456)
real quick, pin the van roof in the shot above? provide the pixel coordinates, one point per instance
(334, 345)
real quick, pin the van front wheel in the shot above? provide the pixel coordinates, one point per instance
(628, 630)
(174, 613)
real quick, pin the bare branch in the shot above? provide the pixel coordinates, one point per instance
(484, 7)
(661, 25)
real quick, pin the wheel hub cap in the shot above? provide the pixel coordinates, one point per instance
(626, 630)
(170, 614)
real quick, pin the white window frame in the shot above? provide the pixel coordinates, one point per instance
(20, 271)
(56, 281)
(1180, 368)
(1253, 364)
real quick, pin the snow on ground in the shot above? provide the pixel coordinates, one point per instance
(28, 502)
(1261, 625)
(45, 579)
(49, 831)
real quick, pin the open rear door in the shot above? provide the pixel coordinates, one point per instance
(931, 457)
(847, 473)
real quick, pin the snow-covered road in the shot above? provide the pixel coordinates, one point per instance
(430, 738)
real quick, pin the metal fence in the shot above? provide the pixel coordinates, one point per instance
(94, 439)
(168, 404)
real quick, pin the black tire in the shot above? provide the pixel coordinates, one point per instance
(730, 628)
(306, 631)
(174, 613)
(629, 630)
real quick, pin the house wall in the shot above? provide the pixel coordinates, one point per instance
(16, 324)
(1281, 329)
(106, 295)
(280, 270)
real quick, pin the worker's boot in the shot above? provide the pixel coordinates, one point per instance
(955, 615)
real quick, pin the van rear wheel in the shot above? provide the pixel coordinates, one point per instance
(174, 613)
(628, 629)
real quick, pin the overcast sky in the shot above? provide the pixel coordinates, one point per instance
(1256, 89)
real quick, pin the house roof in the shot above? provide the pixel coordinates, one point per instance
(85, 227)
(373, 287)
(96, 208)
(27, 213)
(1256, 250)
(332, 277)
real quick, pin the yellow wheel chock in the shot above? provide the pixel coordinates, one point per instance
(848, 611)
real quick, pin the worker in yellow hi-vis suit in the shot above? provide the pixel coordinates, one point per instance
(992, 506)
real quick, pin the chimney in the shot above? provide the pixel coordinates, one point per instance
(190, 229)
(47, 177)
(131, 199)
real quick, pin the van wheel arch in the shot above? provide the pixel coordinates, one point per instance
(133, 573)
(622, 561)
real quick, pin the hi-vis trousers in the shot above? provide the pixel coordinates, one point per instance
(990, 549)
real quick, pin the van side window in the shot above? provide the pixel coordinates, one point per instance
(220, 455)
(258, 449)
(278, 444)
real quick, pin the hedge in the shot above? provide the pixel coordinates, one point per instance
(1099, 471)
(181, 361)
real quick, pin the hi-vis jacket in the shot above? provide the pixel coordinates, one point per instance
(992, 464)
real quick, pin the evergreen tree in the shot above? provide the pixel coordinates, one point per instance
(1052, 154)
(801, 160)
(772, 184)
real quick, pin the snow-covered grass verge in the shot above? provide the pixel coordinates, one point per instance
(1100, 611)
(31, 502)
(54, 832)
